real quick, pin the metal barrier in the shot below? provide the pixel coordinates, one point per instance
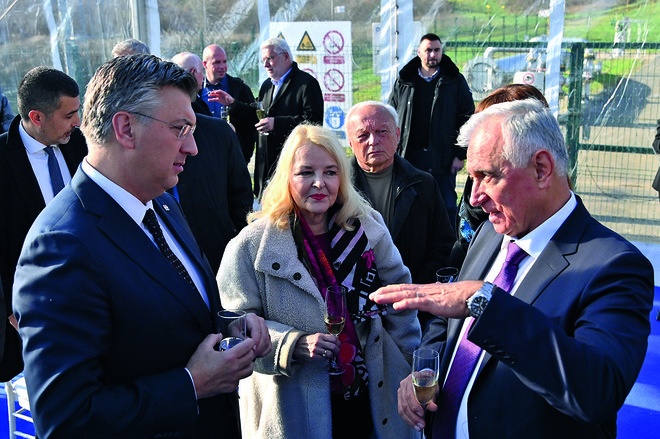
(608, 109)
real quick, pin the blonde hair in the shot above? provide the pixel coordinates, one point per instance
(277, 202)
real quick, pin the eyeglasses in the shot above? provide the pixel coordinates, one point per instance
(183, 130)
(270, 58)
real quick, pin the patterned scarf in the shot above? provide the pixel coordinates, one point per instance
(354, 267)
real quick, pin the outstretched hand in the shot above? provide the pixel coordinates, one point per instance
(440, 299)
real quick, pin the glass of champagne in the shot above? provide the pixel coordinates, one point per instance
(233, 327)
(261, 113)
(425, 370)
(224, 114)
(334, 315)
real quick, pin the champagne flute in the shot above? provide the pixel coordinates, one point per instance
(261, 112)
(224, 114)
(334, 316)
(425, 370)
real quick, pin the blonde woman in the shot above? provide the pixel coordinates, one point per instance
(315, 230)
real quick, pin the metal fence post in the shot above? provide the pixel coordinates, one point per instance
(574, 108)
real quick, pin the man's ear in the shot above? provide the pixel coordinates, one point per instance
(123, 124)
(544, 166)
(37, 117)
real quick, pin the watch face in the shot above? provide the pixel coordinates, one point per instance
(478, 305)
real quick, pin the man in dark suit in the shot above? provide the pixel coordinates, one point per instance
(116, 304)
(656, 148)
(290, 96)
(48, 104)
(408, 199)
(556, 340)
(215, 190)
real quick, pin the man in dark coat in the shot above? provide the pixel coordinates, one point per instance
(48, 104)
(222, 91)
(433, 101)
(408, 198)
(290, 96)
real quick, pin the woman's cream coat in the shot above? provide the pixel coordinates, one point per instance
(261, 273)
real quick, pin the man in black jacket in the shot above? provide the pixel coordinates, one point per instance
(223, 91)
(430, 84)
(290, 97)
(48, 105)
(408, 198)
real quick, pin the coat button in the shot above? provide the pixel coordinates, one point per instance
(377, 339)
(380, 384)
(297, 276)
(276, 266)
(385, 421)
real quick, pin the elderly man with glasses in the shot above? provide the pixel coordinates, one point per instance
(116, 303)
(290, 96)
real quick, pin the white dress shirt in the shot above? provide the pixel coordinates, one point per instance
(39, 162)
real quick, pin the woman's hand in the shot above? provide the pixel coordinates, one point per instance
(319, 347)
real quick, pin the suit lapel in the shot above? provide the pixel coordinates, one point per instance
(23, 174)
(115, 223)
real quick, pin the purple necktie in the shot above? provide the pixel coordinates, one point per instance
(467, 354)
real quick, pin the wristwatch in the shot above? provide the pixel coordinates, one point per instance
(479, 300)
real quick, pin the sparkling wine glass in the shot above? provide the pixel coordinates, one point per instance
(261, 112)
(334, 315)
(425, 370)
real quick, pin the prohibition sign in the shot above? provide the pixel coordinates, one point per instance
(333, 42)
(333, 80)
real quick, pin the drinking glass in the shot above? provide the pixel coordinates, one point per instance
(224, 114)
(261, 112)
(334, 316)
(446, 275)
(425, 370)
(233, 327)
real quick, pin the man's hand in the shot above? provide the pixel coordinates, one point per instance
(456, 165)
(217, 372)
(409, 409)
(440, 299)
(266, 125)
(221, 96)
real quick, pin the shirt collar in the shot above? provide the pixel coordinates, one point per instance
(428, 78)
(32, 145)
(279, 82)
(133, 207)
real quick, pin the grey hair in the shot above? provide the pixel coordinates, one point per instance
(130, 47)
(280, 45)
(527, 127)
(132, 84)
(188, 61)
(390, 109)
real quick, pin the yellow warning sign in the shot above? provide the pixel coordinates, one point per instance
(281, 36)
(306, 43)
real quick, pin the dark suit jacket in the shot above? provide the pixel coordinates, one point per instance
(563, 353)
(299, 100)
(215, 189)
(22, 201)
(108, 325)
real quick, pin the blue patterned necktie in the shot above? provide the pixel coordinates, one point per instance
(467, 354)
(151, 222)
(56, 180)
